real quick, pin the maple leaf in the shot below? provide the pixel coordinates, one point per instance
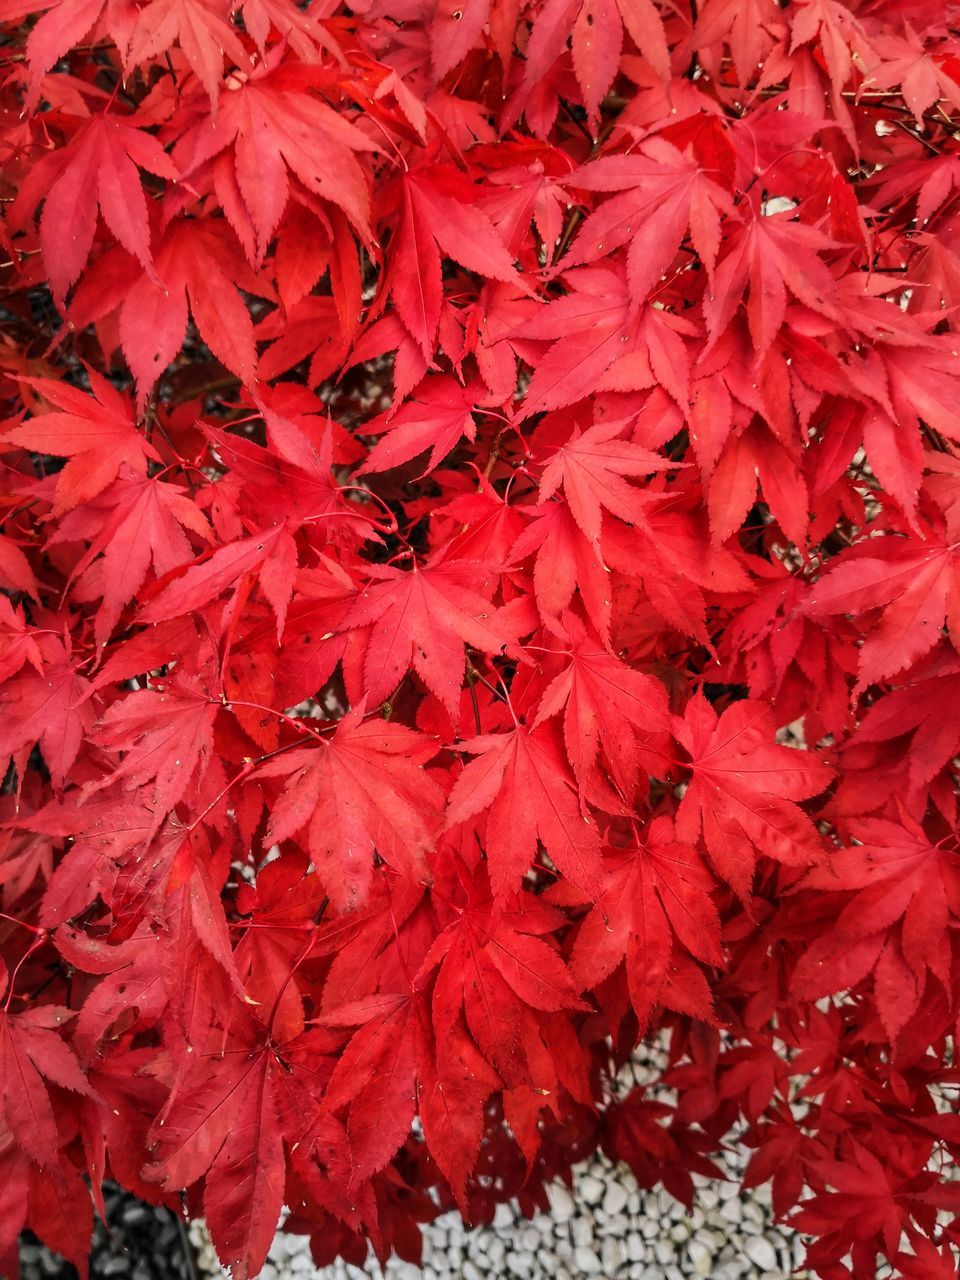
(659, 301)
(918, 706)
(748, 457)
(487, 526)
(276, 127)
(771, 255)
(422, 618)
(664, 196)
(925, 1262)
(437, 416)
(677, 564)
(195, 933)
(527, 190)
(133, 524)
(311, 648)
(98, 167)
(439, 218)
(743, 791)
(194, 265)
(31, 1050)
(167, 742)
(202, 30)
(586, 327)
(128, 990)
(904, 61)
(914, 584)
(520, 780)
(47, 707)
(96, 432)
(565, 562)
(15, 571)
(287, 899)
(361, 943)
(377, 1075)
(656, 1152)
(748, 27)
(653, 911)
(19, 646)
(494, 968)
(272, 555)
(63, 25)
(840, 36)
(871, 1202)
(359, 792)
(454, 32)
(597, 28)
(294, 472)
(592, 466)
(304, 32)
(605, 704)
(900, 879)
(451, 1105)
(15, 1169)
(227, 1125)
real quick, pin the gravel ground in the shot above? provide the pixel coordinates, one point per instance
(137, 1242)
(607, 1228)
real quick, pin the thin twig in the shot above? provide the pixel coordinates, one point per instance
(187, 1248)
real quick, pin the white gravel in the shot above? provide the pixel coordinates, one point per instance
(607, 1228)
(645, 1236)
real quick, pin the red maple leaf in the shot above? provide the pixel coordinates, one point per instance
(592, 467)
(361, 791)
(606, 705)
(437, 416)
(664, 196)
(276, 128)
(422, 618)
(198, 28)
(743, 792)
(166, 737)
(376, 1078)
(136, 523)
(438, 217)
(197, 273)
(906, 896)
(654, 912)
(32, 1050)
(96, 432)
(227, 1129)
(583, 372)
(914, 584)
(519, 779)
(97, 168)
(47, 707)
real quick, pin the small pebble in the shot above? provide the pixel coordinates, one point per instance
(591, 1189)
(612, 1255)
(701, 1257)
(582, 1231)
(663, 1251)
(586, 1261)
(614, 1198)
(561, 1203)
(761, 1252)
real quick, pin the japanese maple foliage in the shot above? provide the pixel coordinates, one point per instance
(480, 566)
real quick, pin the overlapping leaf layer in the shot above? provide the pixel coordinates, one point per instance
(480, 566)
